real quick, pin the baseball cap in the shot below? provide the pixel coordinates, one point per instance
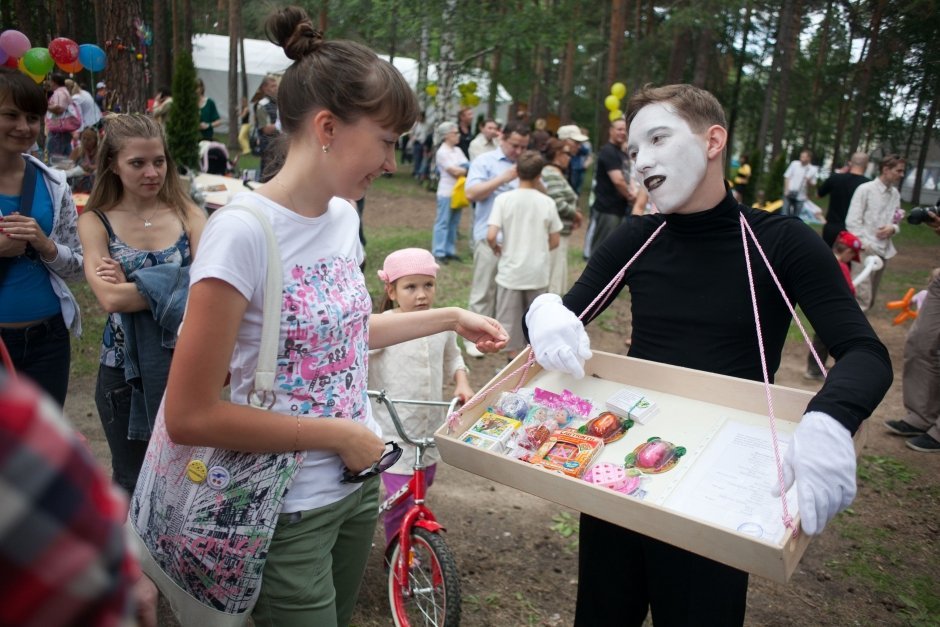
(100, 85)
(847, 239)
(571, 131)
(406, 262)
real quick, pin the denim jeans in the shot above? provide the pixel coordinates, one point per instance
(113, 400)
(444, 241)
(42, 352)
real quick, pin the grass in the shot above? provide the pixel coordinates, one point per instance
(875, 559)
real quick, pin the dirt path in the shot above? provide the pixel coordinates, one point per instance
(515, 570)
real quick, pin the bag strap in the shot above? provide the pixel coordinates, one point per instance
(262, 393)
(29, 188)
(25, 208)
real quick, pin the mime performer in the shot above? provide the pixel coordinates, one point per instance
(691, 307)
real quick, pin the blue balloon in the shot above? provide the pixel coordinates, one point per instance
(92, 57)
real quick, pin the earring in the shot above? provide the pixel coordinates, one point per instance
(326, 149)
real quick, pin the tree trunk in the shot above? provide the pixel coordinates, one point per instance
(244, 66)
(424, 55)
(567, 72)
(125, 74)
(324, 15)
(915, 119)
(680, 53)
(536, 100)
(865, 72)
(393, 31)
(703, 56)
(61, 14)
(494, 82)
(446, 65)
(925, 143)
(739, 75)
(159, 52)
(24, 17)
(187, 32)
(618, 23)
(790, 21)
(234, 35)
(816, 99)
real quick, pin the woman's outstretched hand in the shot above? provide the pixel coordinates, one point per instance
(487, 334)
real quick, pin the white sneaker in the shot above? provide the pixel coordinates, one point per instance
(472, 350)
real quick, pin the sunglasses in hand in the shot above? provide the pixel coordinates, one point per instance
(385, 462)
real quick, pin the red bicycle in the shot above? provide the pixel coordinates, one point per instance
(423, 584)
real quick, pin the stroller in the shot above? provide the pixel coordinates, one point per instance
(214, 159)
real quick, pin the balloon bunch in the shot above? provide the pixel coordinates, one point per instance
(16, 51)
(618, 92)
(468, 94)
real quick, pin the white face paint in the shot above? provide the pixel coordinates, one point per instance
(670, 160)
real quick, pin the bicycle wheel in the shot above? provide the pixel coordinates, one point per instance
(431, 594)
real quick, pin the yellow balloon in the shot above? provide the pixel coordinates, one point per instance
(616, 115)
(37, 78)
(612, 102)
(618, 89)
(431, 90)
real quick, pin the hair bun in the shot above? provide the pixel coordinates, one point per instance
(291, 29)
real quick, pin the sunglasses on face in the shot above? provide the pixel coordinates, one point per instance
(385, 462)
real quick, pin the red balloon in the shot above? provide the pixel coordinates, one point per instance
(12, 62)
(71, 68)
(63, 50)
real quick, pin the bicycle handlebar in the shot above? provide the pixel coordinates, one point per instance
(382, 397)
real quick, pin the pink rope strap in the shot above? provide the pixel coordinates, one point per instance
(745, 231)
(453, 420)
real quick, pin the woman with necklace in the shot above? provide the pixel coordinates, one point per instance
(39, 246)
(138, 218)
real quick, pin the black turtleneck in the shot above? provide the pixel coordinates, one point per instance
(691, 303)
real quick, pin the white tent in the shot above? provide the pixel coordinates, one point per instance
(210, 55)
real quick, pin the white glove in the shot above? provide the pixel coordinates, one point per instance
(557, 336)
(821, 458)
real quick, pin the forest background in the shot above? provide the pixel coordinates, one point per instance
(831, 76)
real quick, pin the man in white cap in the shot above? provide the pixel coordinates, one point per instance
(580, 156)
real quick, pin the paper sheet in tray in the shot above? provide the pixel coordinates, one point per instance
(716, 501)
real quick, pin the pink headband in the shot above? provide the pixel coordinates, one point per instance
(408, 261)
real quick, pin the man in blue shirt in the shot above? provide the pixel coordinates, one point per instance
(491, 174)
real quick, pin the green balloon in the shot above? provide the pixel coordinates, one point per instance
(38, 61)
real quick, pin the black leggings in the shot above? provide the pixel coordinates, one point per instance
(623, 574)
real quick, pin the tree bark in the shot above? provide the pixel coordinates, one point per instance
(567, 72)
(446, 65)
(618, 23)
(234, 35)
(680, 53)
(790, 21)
(159, 52)
(424, 55)
(739, 76)
(925, 143)
(865, 72)
(62, 20)
(324, 15)
(125, 74)
(24, 17)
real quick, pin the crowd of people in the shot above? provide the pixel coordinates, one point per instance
(325, 130)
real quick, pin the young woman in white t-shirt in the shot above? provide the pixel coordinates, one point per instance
(342, 110)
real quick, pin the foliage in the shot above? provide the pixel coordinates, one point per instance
(182, 127)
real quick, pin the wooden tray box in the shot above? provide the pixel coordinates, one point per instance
(680, 392)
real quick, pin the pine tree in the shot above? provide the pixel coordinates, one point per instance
(182, 126)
